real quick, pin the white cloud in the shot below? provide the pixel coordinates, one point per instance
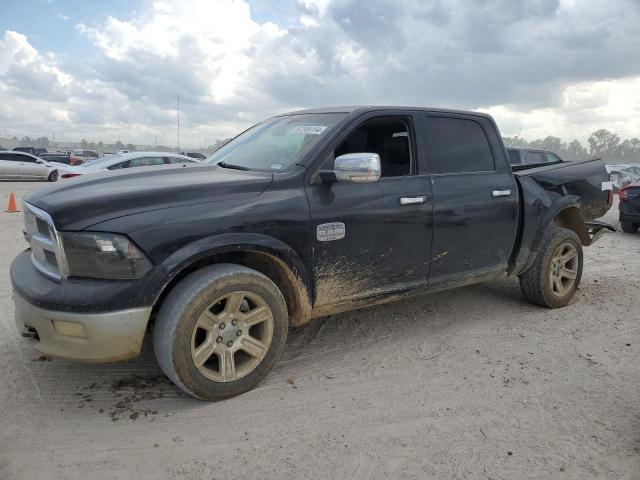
(542, 67)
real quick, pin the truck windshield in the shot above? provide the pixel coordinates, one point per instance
(276, 144)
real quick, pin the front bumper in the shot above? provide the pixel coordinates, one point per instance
(80, 319)
(97, 337)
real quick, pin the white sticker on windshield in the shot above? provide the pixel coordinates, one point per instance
(309, 129)
(277, 166)
(400, 134)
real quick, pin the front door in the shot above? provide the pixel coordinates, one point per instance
(372, 238)
(31, 168)
(475, 197)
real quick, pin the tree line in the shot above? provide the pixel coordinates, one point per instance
(44, 142)
(601, 143)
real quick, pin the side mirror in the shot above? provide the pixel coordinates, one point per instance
(357, 168)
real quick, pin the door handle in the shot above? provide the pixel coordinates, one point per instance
(412, 200)
(501, 193)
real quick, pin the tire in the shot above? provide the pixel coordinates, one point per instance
(200, 314)
(539, 284)
(629, 227)
(53, 176)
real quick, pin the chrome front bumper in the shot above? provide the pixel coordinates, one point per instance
(89, 337)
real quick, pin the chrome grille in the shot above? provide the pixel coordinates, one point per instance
(47, 254)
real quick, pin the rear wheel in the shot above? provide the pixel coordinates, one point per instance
(53, 176)
(220, 331)
(629, 227)
(555, 274)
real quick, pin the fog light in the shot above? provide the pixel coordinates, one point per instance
(70, 329)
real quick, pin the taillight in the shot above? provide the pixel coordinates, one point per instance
(70, 175)
(622, 194)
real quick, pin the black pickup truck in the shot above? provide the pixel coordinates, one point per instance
(304, 215)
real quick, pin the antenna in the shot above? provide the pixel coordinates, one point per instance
(178, 112)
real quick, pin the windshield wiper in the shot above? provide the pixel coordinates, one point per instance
(232, 166)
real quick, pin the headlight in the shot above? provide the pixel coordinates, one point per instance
(103, 255)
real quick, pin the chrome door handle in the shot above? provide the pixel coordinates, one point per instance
(501, 193)
(412, 200)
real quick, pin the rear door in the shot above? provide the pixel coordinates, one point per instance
(31, 168)
(9, 165)
(474, 197)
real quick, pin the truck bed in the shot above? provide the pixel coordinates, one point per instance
(583, 179)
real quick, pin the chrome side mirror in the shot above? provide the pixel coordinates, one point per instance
(357, 168)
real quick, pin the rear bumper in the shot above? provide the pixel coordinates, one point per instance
(630, 217)
(629, 212)
(96, 337)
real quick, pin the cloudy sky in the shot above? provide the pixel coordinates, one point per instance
(109, 70)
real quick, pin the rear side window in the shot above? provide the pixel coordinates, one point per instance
(552, 158)
(457, 145)
(178, 160)
(535, 157)
(514, 157)
(145, 162)
(14, 157)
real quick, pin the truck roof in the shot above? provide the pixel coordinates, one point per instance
(367, 108)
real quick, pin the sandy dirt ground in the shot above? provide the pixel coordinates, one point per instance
(471, 383)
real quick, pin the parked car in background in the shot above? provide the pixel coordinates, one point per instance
(31, 150)
(16, 165)
(530, 156)
(85, 153)
(196, 155)
(622, 175)
(629, 207)
(126, 160)
(64, 158)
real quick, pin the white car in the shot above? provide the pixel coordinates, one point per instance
(24, 166)
(125, 160)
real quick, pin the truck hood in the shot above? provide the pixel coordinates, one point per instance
(78, 203)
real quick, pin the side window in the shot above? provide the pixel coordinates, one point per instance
(9, 157)
(145, 162)
(552, 158)
(389, 138)
(118, 166)
(178, 160)
(534, 157)
(457, 145)
(514, 156)
(27, 159)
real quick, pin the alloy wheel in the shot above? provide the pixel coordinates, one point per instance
(232, 336)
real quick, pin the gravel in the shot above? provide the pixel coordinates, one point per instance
(471, 383)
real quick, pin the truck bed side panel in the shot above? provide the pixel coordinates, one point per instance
(583, 179)
(546, 191)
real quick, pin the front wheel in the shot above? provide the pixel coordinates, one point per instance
(555, 274)
(220, 331)
(629, 227)
(53, 176)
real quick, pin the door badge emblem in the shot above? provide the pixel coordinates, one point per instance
(327, 232)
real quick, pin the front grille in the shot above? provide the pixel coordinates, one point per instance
(46, 249)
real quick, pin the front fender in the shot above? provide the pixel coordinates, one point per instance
(207, 247)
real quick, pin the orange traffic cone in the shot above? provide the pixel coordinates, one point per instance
(12, 204)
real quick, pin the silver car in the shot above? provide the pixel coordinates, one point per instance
(24, 166)
(125, 160)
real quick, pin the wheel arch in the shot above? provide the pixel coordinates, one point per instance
(267, 255)
(564, 212)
